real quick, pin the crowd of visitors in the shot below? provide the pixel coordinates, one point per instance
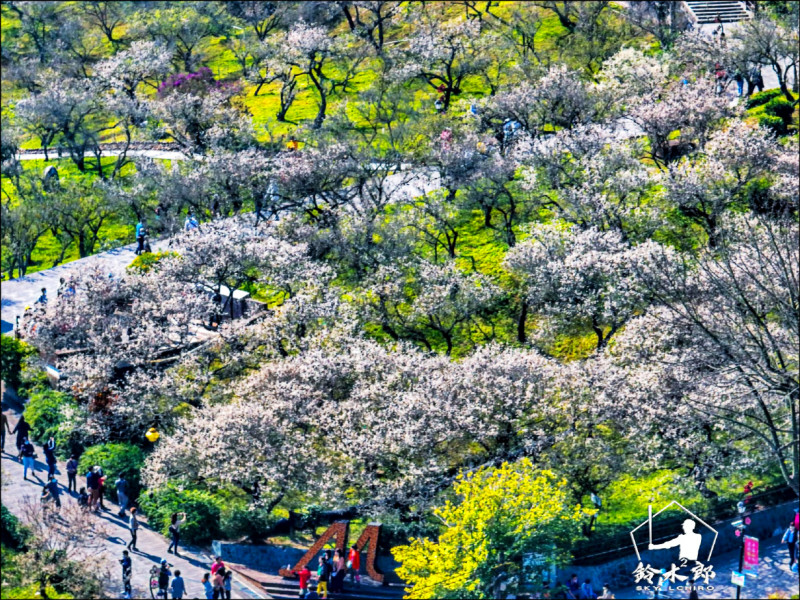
(332, 569)
(585, 591)
(724, 75)
(217, 583)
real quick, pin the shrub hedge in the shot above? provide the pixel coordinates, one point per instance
(247, 521)
(12, 353)
(43, 412)
(762, 98)
(780, 107)
(203, 512)
(12, 534)
(116, 459)
(145, 262)
(773, 122)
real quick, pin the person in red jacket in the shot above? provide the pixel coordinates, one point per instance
(354, 564)
(304, 575)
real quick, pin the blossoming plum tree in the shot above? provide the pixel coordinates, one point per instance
(500, 514)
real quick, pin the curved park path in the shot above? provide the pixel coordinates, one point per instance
(192, 563)
(24, 291)
(774, 576)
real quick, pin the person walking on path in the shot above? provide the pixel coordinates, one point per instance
(718, 22)
(323, 575)
(28, 455)
(127, 570)
(218, 564)
(219, 583)
(207, 586)
(755, 81)
(101, 489)
(177, 520)
(93, 485)
(133, 526)
(4, 427)
(22, 430)
(54, 491)
(122, 495)
(163, 578)
(790, 539)
(50, 457)
(739, 79)
(340, 570)
(227, 584)
(190, 223)
(720, 77)
(304, 575)
(178, 586)
(140, 235)
(43, 298)
(72, 473)
(354, 564)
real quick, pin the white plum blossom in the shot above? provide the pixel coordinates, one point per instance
(580, 277)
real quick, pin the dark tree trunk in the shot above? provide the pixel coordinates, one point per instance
(523, 317)
(82, 245)
(297, 522)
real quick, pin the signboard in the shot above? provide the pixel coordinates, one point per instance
(538, 570)
(53, 374)
(750, 564)
(737, 578)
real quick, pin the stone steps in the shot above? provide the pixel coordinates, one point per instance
(729, 12)
(364, 592)
(275, 586)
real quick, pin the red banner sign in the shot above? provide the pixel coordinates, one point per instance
(750, 565)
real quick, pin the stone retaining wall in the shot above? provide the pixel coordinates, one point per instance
(270, 558)
(261, 557)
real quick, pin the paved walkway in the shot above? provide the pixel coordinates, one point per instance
(192, 563)
(53, 156)
(24, 291)
(774, 576)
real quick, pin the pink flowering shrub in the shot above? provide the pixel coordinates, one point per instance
(198, 83)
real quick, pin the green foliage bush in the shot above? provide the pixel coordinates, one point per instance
(12, 534)
(762, 98)
(774, 123)
(44, 412)
(394, 533)
(32, 591)
(780, 107)
(247, 521)
(32, 376)
(12, 353)
(145, 262)
(203, 512)
(116, 459)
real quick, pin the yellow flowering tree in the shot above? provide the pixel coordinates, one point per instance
(501, 514)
